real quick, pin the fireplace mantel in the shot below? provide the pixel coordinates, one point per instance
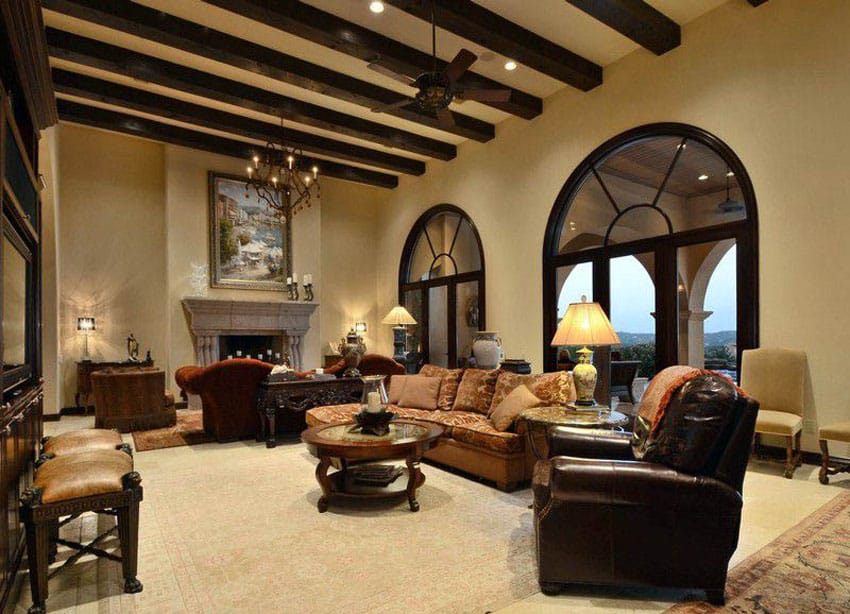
(211, 318)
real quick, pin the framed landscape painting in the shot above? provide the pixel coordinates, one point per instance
(250, 243)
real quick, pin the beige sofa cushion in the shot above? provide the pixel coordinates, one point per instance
(506, 412)
(778, 422)
(448, 386)
(476, 390)
(553, 388)
(420, 392)
(397, 383)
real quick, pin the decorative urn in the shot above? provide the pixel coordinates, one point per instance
(487, 349)
(352, 349)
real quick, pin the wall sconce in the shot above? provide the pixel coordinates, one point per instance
(360, 328)
(86, 325)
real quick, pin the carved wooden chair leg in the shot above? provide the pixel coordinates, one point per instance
(128, 533)
(799, 451)
(790, 462)
(53, 536)
(38, 538)
(823, 476)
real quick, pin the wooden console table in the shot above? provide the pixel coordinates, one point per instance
(283, 403)
(86, 367)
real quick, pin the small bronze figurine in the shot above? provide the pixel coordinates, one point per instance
(133, 348)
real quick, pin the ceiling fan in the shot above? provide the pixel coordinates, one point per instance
(729, 205)
(437, 89)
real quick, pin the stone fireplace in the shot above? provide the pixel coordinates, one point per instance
(210, 319)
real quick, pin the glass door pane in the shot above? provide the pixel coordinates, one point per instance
(708, 306)
(438, 326)
(467, 318)
(633, 317)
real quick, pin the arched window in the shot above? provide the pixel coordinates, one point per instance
(659, 226)
(441, 283)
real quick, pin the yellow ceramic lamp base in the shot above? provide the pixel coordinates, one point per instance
(584, 377)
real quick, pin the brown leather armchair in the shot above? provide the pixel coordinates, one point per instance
(228, 391)
(604, 518)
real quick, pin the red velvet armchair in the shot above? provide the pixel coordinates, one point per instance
(228, 391)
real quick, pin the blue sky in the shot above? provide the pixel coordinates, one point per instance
(633, 295)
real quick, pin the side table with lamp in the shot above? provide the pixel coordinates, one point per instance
(399, 318)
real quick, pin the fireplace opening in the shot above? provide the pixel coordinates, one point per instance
(262, 347)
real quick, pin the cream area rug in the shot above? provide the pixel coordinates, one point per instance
(234, 528)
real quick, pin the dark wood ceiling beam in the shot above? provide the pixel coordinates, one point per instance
(88, 52)
(639, 21)
(757, 2)
(328, 30)
(483, 27)
(74, 84)
(165, 29)
(139, 126)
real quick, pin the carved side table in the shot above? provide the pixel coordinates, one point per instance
(281, 405)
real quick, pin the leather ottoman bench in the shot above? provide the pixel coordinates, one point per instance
(81, 440)
(101, 481)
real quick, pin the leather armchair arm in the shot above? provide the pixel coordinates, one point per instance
(188, 379)
(630, 483)
(590, 444)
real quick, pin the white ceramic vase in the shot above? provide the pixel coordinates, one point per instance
(487, 349)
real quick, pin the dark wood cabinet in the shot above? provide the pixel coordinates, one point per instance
(27, 106)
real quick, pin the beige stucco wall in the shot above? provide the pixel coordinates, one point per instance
(111, 246)
(772, 83)
(134, 218)
(51, 359)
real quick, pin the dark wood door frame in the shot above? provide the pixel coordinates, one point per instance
(665, 248)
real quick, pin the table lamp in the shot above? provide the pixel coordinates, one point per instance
(399, 317)
(85, 325)
(585, 324)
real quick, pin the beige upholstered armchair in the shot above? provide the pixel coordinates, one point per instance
(775, 378)
(132, 399)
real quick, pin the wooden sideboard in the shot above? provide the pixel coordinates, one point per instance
(281, 405)
(86, 367)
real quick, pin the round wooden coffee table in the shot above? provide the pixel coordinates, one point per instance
(360, 479)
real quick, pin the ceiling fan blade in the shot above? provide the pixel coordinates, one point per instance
(389, 72)
(383, 108)
(463, 60)
(485, 95)
(444, 116)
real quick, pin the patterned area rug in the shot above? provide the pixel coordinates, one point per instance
(807, 569)
(188, 431)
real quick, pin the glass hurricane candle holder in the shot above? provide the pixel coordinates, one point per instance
(374, 399)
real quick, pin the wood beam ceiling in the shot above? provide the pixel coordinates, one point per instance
(81, 50)
(757, 2)
(328, 30)
(130, 124)
(483, 27)
(637, 20)
(162, 28)
(91, 88)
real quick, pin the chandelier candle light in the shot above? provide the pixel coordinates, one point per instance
(282, 178)
(585, 324)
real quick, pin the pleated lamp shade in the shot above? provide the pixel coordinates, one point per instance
(398, 316)
(585, 324)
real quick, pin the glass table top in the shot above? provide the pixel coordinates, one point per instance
(349, 432)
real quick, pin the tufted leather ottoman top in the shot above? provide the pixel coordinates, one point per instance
(85, 474)
(82, 440)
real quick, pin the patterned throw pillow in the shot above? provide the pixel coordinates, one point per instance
(551, 388)
(448, 386)
(476, 390)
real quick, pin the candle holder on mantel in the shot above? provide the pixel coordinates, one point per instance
(308, 292)
(373, 419)
(292, 288)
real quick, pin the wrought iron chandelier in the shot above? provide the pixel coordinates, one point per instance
(279, 179)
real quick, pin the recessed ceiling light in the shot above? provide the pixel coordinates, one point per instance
(376, 7)
(510, 65)
(730, 174)
(703, 177)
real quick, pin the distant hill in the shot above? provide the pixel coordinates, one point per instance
(723, 337)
